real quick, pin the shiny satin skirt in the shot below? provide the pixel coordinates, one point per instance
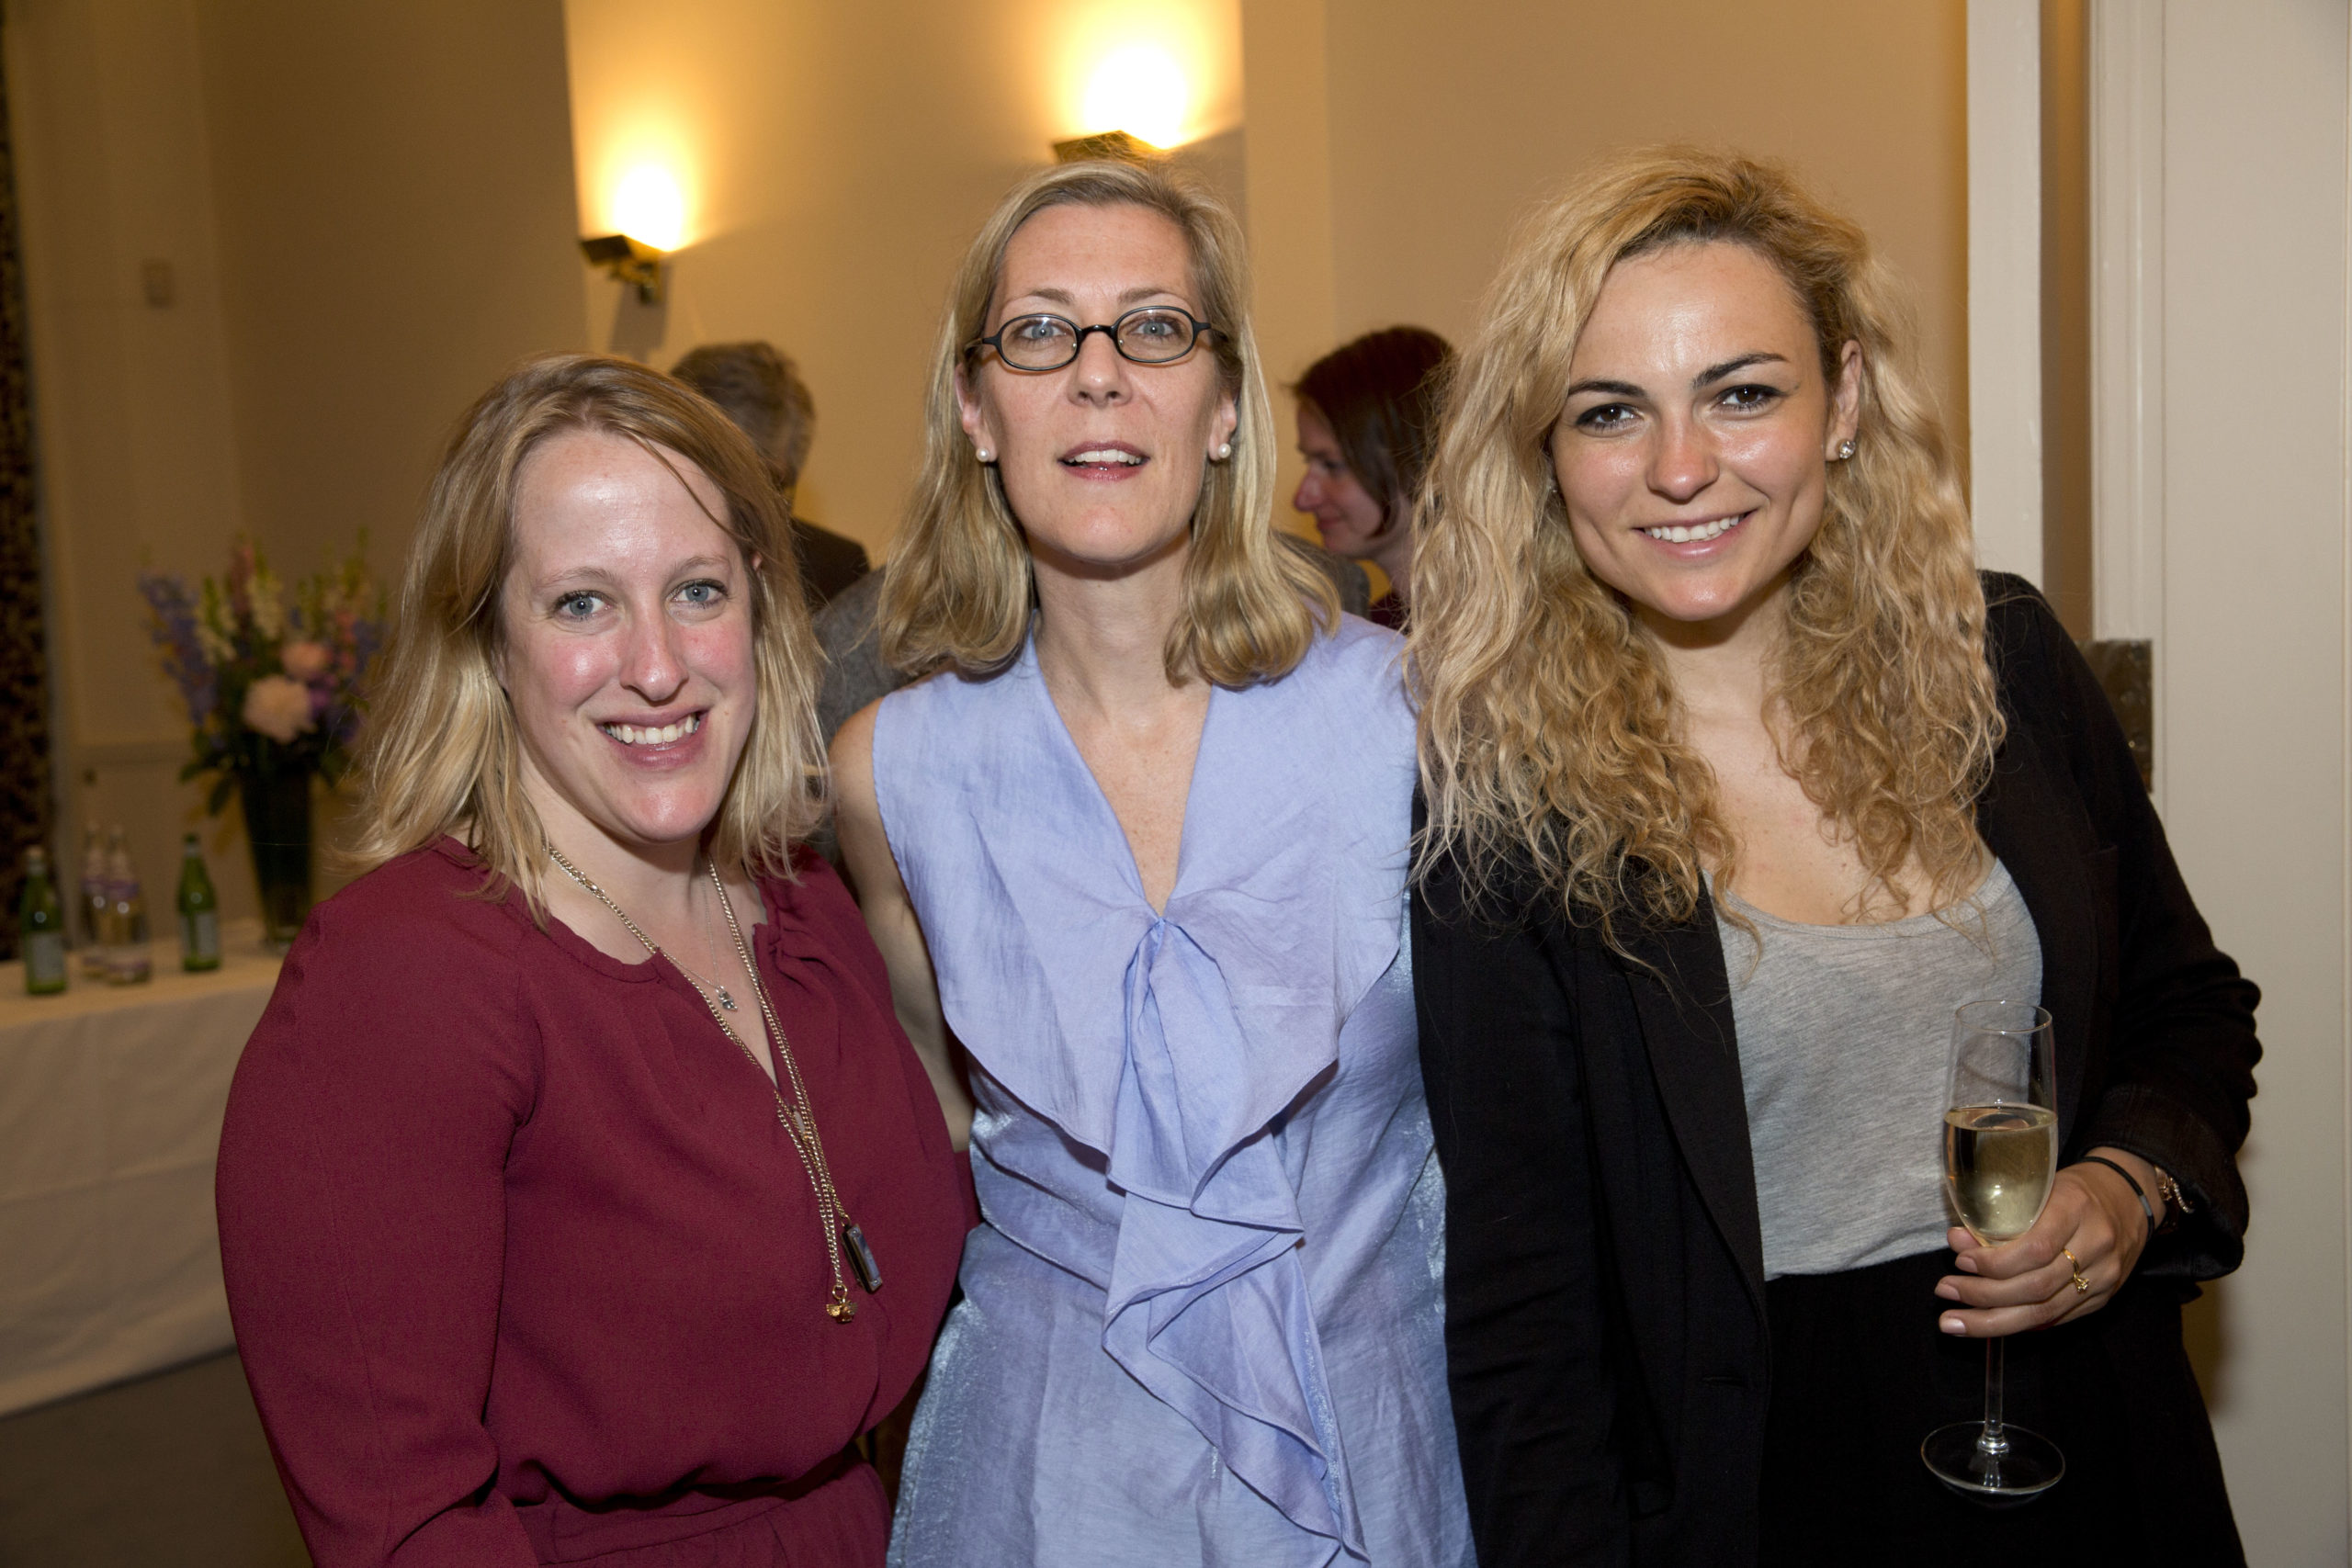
(1860, 1375)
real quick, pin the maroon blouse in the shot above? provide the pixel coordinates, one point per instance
(524, 1268)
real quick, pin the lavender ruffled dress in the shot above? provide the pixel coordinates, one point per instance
(1203, 1322)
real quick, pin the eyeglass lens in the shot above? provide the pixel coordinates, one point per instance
(1148, 336)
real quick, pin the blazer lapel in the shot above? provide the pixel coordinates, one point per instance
(1684, 1004)
(2032, 827)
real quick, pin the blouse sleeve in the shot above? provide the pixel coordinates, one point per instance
(1534, 1399)
(2179, 1073)
(361, 1198)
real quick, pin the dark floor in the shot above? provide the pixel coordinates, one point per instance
(170, 1472)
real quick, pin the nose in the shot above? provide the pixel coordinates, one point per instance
(1683, 461)
(1309, 494)
(653, 662)
(1099, 374)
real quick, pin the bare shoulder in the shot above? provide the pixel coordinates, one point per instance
(853, 765)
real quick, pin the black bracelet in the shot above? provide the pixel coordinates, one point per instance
(2136, 1192)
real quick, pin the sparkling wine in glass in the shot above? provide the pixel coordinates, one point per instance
(2000, 1155)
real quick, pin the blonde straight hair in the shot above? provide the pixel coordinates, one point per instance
(1551, 741)
(442, 756)
(960, 588)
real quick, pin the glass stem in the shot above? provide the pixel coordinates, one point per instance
(1992, 1440)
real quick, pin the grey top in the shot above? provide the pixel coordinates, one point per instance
(1843, 1036)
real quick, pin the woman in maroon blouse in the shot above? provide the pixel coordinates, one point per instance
(580, 1196)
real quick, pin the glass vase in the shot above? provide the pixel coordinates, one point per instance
(278, 829)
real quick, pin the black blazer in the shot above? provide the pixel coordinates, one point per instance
(1605, 1323)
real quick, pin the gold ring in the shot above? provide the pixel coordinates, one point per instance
(2082, 1286)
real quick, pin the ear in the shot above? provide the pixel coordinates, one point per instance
(1845, 398)
(973, 414)
(1226, 421)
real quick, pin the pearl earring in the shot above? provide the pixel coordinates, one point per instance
(1224, 450)
(1845, 451)
(983, 453)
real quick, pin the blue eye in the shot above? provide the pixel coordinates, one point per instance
(576, 606)
(703, 595)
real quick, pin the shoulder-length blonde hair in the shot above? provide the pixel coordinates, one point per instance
(441, 755)
(1551, 740)
(959, 590)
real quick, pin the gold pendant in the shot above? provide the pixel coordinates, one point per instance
(841, 1311)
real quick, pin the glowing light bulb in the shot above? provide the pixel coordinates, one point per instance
(1140, 89)
(649, 206)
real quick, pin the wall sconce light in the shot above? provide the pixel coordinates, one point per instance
(629, 261)
(1116, 146)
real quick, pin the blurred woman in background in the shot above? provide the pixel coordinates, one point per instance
(1367, 419)
(579, 1195)
(1740, 780)
(1137, 844)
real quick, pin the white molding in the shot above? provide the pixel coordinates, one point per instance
(2005, 282)
(2126, 113)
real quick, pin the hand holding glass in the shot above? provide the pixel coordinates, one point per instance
(2000, 1156)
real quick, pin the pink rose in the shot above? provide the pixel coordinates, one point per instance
(278, 709)
(305, 660)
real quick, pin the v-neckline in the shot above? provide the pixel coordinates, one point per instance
(1037, 669)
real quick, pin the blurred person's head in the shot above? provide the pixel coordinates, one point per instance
(1367, 422)
(601, 627)
(1043, 443)
(761, 389)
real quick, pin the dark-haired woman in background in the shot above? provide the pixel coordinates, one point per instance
(1740, 780)
(1367, 416)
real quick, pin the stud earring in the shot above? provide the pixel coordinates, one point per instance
(1845, 451)
(983, 453)
(1224, 450)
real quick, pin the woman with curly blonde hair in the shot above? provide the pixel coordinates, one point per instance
(1135, 848)
(1739, 779)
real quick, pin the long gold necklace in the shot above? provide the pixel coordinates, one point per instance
(797, 1115)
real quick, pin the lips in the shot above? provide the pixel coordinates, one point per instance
(1104, 456)
(1695, 532)
(668, 734)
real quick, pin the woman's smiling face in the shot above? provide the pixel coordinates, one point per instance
(1694, 450)
(626, 632)
(1102, 460)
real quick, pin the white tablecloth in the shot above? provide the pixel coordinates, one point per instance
(110, 1101)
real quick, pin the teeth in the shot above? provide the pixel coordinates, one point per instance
(632, 735)
(1675, 534)
(1106, 455)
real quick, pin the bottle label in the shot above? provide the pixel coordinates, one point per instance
(200, 940)
(45, 962)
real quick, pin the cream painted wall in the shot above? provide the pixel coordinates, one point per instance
(2252, 726)
(1447, 121)
(367, 214)
(835, 160)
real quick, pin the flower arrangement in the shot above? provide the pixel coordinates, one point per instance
(274, 685)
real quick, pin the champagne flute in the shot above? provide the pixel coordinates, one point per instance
(2000, 1156)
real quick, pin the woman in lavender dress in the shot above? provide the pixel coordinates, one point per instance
(1138, 846)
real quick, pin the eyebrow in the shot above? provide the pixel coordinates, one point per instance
(1064, 296)
(1707, 378)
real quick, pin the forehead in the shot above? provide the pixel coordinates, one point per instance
(1697, 299)
(593, 497)
(1092, 253)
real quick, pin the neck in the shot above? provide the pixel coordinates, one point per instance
(1103, 634)
(652, 881)
(1720, 665)
(1395, 560)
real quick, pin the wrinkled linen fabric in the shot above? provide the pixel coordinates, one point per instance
(1203, 1321)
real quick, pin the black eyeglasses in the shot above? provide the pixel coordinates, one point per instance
(1155, 334)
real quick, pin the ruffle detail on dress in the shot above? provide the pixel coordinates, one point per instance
(1174, 1044)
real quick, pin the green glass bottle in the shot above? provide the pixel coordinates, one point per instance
(41, 928)
(199, 910)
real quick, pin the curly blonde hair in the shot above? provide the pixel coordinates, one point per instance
(1551, 738)
(442, 755)
(959, 590)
